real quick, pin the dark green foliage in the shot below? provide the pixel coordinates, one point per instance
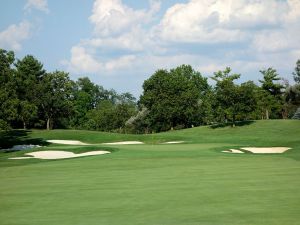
(28, 78)
(233, 101)
(274, 100)
(270, 75)
(174, 98)
(29, 74)
(109, 117)
(86, 97)
(4, 125)
(8, 96)
(56, 98)
(138, 123)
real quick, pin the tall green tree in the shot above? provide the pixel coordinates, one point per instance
(56, 97)
(247, 98)
(265, 103)
(8, 96)
(271, 85)
(232, 100)
(173, 98)
(226, 94)
(84, 100)
(29, 75)
(270, 76)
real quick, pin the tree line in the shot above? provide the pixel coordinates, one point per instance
(31, 97)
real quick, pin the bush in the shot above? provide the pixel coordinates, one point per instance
(4, 125)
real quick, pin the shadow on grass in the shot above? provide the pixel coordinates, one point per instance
(18, 137)
(237, 124)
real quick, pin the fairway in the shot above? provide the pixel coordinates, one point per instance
(187, 183)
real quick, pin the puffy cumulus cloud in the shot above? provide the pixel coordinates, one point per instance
(117, 27)
(283, 37)
(276, 41)
(134, 40)
(12, 36)
(83, 60)
(111, 17)
(211, 21)
(210, 35)
(293, 14)
(41, 5)
(122, 62)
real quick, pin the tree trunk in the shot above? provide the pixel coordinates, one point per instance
(233, 121)
(24, 125)
(48, 124)
(267, 114)
(284, 113)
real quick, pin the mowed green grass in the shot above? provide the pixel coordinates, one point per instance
(157, 184)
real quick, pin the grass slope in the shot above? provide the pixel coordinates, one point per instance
(192, 183)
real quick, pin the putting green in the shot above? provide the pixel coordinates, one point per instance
(190, 183)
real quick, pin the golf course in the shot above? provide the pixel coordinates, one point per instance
(169, 178)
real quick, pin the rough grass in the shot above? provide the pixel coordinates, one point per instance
(192, 183)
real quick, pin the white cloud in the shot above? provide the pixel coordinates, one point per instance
(116, 27)
(125, 61)
(135, 40)
(82, 62)
(12, 36)
(283, 37)
(294, 11)
(41, 5)
(112, 17)
(246, 35)
(275, 41)
(213, 21)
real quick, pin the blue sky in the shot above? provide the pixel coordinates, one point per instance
(120, 43)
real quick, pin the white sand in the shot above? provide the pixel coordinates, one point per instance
(233, 151)
(173, 142)
(124, 143)
(67, 142)
(72, 142)
(263, 150)
(59, 154)
(266, 150)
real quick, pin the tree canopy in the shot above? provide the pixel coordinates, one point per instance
(31, 97)
(174, 97)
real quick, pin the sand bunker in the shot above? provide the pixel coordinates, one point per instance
(233, 151)
(124, 143)
(72, 142)
(263, 150)
(173, 142)
(59, 154)
(67, 142)
(266, 150)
